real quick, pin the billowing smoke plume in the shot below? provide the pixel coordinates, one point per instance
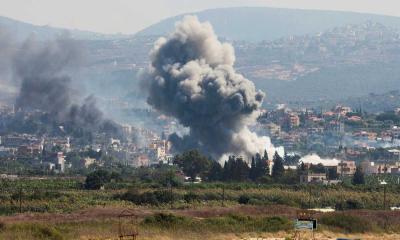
(315, 160)
(39, 68)
(192, 78)
(7, 51)
(44, 84)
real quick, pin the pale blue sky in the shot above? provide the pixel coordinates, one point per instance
(130, 16)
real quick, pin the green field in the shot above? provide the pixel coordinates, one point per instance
(58, 208)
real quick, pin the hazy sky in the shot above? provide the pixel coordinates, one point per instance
(130, 16)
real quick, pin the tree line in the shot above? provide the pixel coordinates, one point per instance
(234, 169)
(193, 164)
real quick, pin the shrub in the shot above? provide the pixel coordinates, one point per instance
(38, 231)
(2, 226)
(146, 198)
(165, 220)
(212, 196)
(45, 195)
(244, 199)
(266, 180)
(348, 223)
(97, 179)
(151, 198)
(349, 204)
(164, 196)
(238, 223)
(44, 232)
(274, 224)
(191, 197)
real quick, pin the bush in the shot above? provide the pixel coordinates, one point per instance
(275, 224)
(2, 226)
(229, 223)
(266, 179)
(151, 198)
(44, 232)
(165, 220)
(146, 198)
(164, 196)
(238, 223)
(212, 196)
(45, 195)
(97, 179)
(349, 204)
(191, 197)
(244, 199)
(38, 231)
(348, 223)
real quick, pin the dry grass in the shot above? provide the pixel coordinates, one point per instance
(102, 223)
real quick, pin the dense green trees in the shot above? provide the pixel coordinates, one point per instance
(215, 173)
(332, 174)
(318, 168)
(292, 159)
(236, 169)
(259, 167)
(166, 176)
(192, 163)
(97, 179)
(388, 116)
(358, 177)
(252, 173)
(277, 170)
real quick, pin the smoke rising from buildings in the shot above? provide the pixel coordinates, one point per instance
(192, 78)
(7, 51)
(41, 68)
(315, 160)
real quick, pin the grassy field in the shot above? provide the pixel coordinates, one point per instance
(235, 222)
(62, 209)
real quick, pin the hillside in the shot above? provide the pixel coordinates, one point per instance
(342, 62)
(21, 30)
(350, 60)
(353, 60)
(271, 23)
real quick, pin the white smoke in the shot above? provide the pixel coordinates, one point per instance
(314, 159)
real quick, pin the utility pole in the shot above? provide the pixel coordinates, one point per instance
(170, 191)
(384, 183)
(384, 197)
(20, 200)
(309, 198)
(223, 195)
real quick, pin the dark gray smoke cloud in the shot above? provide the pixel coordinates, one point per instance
(41, 68)
(192, 78)
(7, 51)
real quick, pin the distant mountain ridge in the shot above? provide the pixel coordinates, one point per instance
(21, 30)
(267, 24)
(346, 59)
(262, 23)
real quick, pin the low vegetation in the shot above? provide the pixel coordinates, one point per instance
(167, 204)
(228, 224)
